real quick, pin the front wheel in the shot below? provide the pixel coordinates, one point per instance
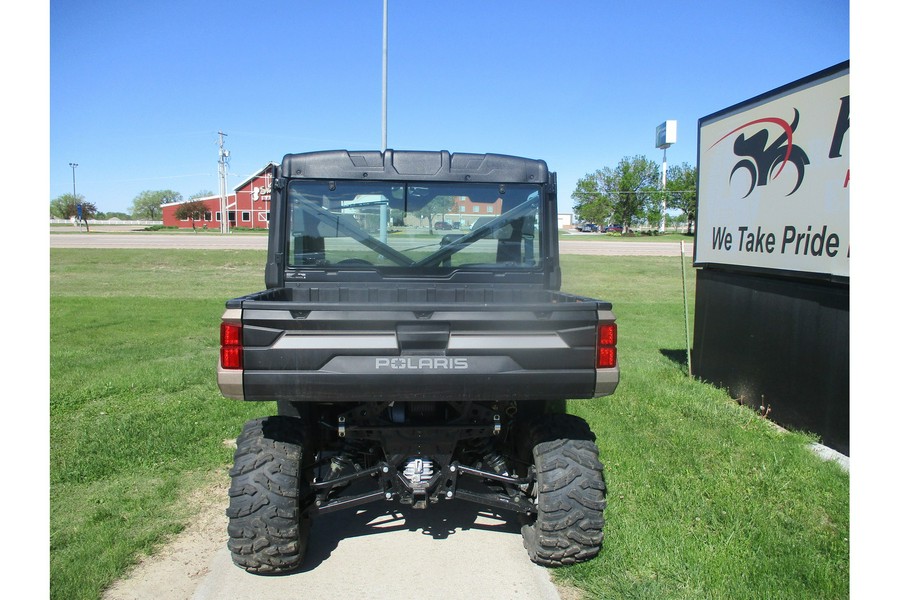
(267, 531)
(569, 493)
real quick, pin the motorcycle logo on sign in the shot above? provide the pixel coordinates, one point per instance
(761, 161)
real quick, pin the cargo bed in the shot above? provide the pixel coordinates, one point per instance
(483, 297)
(423, 343)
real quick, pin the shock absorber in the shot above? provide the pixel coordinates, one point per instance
(346, 461)
(496, 462)
(491, 459)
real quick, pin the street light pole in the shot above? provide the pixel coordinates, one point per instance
(74, 195)
(384, 58)
(73, 165)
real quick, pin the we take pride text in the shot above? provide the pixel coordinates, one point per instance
(792, 241)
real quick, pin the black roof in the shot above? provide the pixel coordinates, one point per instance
(394, 165)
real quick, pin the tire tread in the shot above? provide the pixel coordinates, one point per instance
(571, 493)
(267, 532)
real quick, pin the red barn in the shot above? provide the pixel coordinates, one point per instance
(247, 206)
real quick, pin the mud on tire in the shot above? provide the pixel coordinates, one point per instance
(266, 532)
(570, 492)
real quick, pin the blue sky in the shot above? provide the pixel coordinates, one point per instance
(138, 90)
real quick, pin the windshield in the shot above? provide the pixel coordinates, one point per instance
(410, 225)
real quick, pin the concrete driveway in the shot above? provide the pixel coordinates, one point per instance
(451, 551)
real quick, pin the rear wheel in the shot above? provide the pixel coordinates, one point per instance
(268, 494)
(569, 492)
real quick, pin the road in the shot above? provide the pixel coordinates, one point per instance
(258, 242)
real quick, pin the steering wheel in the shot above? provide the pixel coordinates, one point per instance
(354, 261)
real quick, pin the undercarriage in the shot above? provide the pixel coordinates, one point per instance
(418, 454)
(317, 458)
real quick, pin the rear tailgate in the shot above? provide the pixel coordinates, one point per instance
(352, 349)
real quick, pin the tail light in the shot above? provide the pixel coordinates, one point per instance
(607, 336)
(232, 350)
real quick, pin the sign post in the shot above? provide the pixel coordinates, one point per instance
(665, 137)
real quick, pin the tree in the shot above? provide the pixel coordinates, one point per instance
(636, 179)
(591, 206)
(681, 188)
(193, 210)
(398, 217)
(201, 194)
(66, 207)
(624, 194)
(146, 205)
(441, 205)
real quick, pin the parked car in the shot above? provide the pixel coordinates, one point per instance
(443, 226)
(614, 228)
(589, 228)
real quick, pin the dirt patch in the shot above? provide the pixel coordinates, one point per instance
(568, 593)
(176, 570)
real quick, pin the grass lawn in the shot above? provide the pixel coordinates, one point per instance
(136, 419)
(706, 499)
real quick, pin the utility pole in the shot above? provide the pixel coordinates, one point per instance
(223, 182)
(384, 45)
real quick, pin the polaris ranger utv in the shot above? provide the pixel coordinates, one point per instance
(410, 364)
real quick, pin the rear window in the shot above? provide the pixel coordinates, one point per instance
(396, 226)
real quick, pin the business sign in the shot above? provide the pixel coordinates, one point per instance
(665, 134)
(773, 180)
